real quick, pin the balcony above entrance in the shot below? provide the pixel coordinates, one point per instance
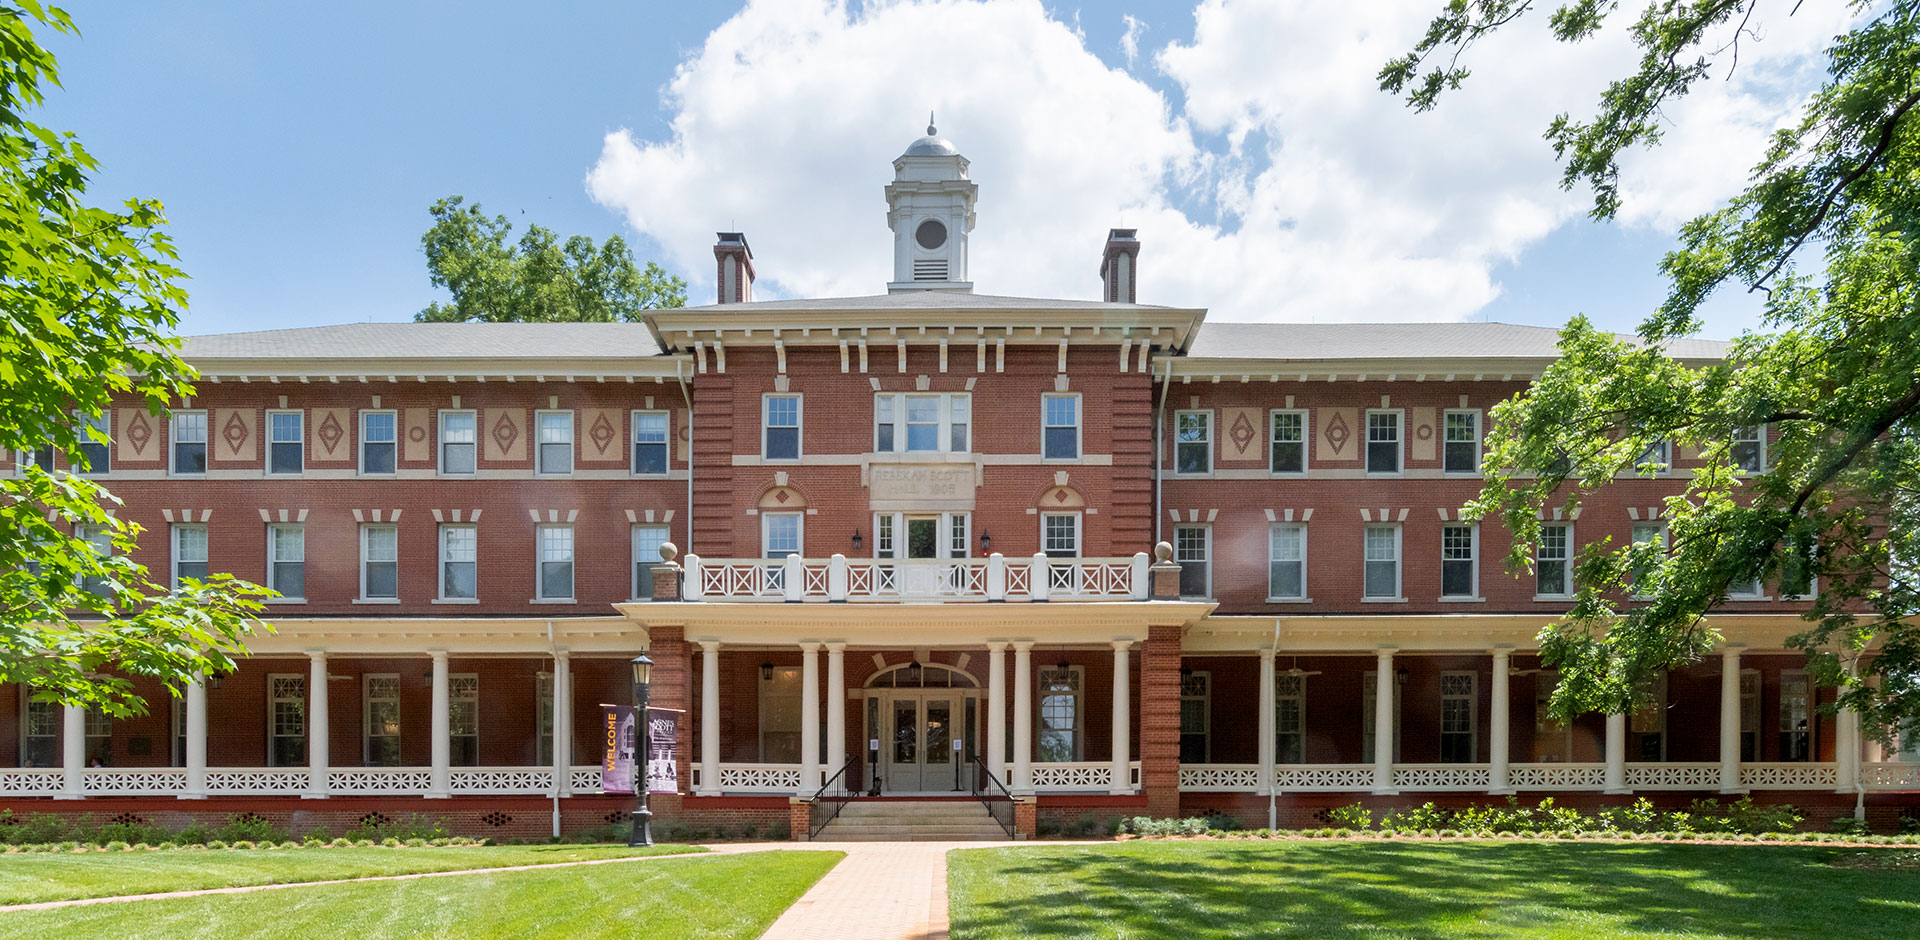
(868, 580)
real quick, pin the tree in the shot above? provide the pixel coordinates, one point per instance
(539, 280)
(1835, 368)
(87, 312)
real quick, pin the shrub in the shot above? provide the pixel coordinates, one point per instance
(194, 834)
(1423, 817)
(412, 826)
(118, 846)
(216, 844)
(1354, 816)
(390, 842)
(779, 832)
(249, 828)
(342, 843)
(1847, 826)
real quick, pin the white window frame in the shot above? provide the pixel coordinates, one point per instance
(442, 560)
(363, 441)
(943, 424)
(799, 530)
(367, 736)
(463, 688)
(1368, 712)
(1660, 525)
(1479, 438)
(300, 426)
(174, 442)
(99, 536)
(665, 442)
(103, 422)
(1306, 436)
(1206, 548)
(1759, 439)
(1079, 422)
(51, 720)
(1810, 708)
(365, 530)
(1660, 452)
(1078, 542)
(540, 561)
(1299, 699)
(643, 589)
(274, 561)
(1566, 560)
(1301, 528)
(1813, 580)
(540, 442)
(442, 441)
(1206, 413)
(1079, 695)
(766, 700)
(1205, 698)
(274, 700)
(1399, 563)
(1399, 442)
(1472, 560)
(1472, 698)
(176, 555)
(799, 426)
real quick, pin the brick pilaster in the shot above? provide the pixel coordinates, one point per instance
(672, 678)
(799, 819)
(1026, 818)
(1160, 720)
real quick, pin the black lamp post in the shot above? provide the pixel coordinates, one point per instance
(643, 746)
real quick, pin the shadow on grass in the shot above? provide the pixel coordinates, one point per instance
(1424, 891)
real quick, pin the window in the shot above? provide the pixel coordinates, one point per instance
(286, 720)
(780, 715)
(1750, 715)
(1192, 548)
(650, 442)
(1459, 743)
(286, 442)
(459, 562)
(95, 432)
(555, 430)
(1059, 738)
(1288, 450)
(189, 442)
(1654, 533)
(1657, 459)
(98, 738)
(1461, 452)
(1749, 589)
(1195, 703)
(1552, 561)
(1647, 726)
(1290, 718)
(41, 730)
(1797, 581)
(189, 553)
(41, 457)
(1796, 717)
(380, 562)
(382, 710)
(1552, 740)
(1369, 699)
(957, 545)
(647, 540)
(781, 534)
(883, 543)
(1459, 565)
(1749, 450)
(929, 423)
(376, 442)
(458, 442)
(1382, 576)
(1383, 442)
(287, 560)
(100, 539)
(463, 719)
(1193, 442)
(1287, 562)
(781, 424)
(543, 703)
(1060, 534)
(556, 562)
(1060, 427)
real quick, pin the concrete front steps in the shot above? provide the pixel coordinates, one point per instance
(913, 821)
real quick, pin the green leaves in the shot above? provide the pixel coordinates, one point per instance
(539, 279)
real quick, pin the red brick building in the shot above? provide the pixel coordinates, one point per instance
(915, 537)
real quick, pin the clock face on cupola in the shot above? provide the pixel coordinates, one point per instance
(930, 209)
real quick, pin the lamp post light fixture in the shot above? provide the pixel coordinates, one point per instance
(643, 746)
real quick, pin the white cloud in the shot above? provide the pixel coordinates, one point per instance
(1130, 39)
(1333, 199)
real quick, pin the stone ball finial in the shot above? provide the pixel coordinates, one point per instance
(930, 130)
(668, 552)
(1163, 551)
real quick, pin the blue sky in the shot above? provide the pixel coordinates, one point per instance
(297, 152)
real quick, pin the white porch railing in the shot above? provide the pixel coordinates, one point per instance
(1077, 776)
(753, 778)
(278, 781)
(1557, 776)
(1230, 777)
(1655, 776)
(97, 781)
(1479, 777)
(1889, 776)
(1789, 776)
(839, 578)
(1323, 777)
(30, 782)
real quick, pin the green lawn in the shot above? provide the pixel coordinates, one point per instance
(721, 896)
(1428, 891)
(55, 877)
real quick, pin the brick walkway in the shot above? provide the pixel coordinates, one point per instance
(880, 891)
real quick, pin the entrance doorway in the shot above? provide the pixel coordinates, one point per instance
(924, 720)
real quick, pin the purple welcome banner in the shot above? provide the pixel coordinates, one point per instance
(616, 760)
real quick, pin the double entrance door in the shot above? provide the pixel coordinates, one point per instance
(926, 738)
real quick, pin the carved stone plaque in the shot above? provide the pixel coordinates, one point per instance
(947, 487)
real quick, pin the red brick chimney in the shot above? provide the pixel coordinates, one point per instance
(1120, 267)
(734, 260)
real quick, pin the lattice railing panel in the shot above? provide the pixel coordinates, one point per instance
(1557, 776)
(740, 778)
(1323, 777)
(1080, 775)
(740, 579)
(30, 782)
(1789, 776)
(813, 582)
(1673, 776)
(381, 780)
(251, 780)
(132, 782)
(584, 779)
(501, 780)
(1890, 776)
(1019, 579)
(1219, 777)
(1442, 777)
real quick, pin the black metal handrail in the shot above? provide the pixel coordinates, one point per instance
(993, 794)
(814, 812)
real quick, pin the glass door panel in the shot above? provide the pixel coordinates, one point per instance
(903, 760)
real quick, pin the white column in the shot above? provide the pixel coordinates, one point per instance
(317, 739)
(563, 722)
(1846, 744)
(442, 785)
(837, 711)
(1384, 689)
(1022, 717)
(1122, 721)
(809, 717)
(1500, 723)
(709, 717)
(196, 740)
(1617, 753)
(997, 709)
(1266, 723)
(73, 751)
(1730, 720)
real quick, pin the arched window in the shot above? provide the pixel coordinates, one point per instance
(921, 676)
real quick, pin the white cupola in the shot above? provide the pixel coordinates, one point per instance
(930, 209)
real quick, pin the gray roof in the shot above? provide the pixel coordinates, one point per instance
(918, 300)
(430, 341)
(1304, 341)
(931, 146)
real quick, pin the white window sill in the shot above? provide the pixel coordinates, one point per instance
(379, 476)
(1552, 598)
(1289, 600)
(1198, 475)
(650, 476)
(552, 476)
(1461, 474)
(1761, 599)
(376, 600)
(445, 475)
(283, 600)
(553, 600)
(1383, 600)
(454, 600)
(1463, 600)
(1385, 474)
(1287, 474)
(294, 475)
